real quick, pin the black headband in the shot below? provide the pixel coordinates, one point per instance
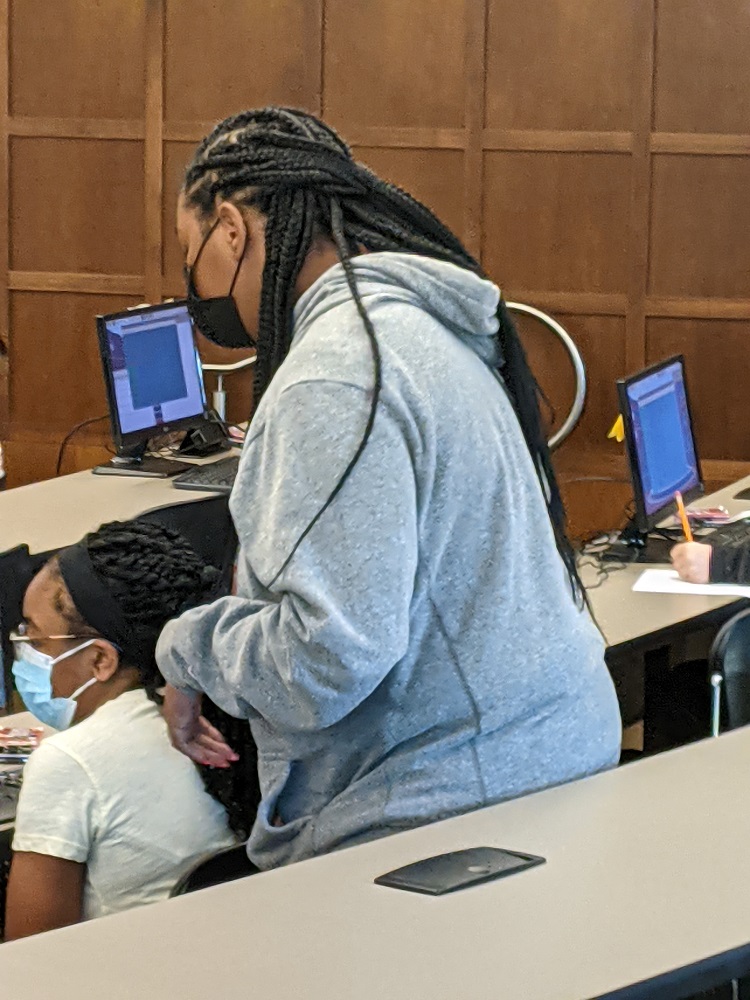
(97, 606)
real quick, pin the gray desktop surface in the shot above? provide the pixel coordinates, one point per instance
(60, 511)
(647, 872)
(647, 866)
(625, 617)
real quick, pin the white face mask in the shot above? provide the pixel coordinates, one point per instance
(32, 671)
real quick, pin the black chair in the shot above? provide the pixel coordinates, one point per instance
(17, 567)
(729, 674)
(225, 866)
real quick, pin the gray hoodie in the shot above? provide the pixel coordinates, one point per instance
(421, 655)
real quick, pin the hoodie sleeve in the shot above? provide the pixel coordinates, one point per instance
(337, 620)
(730, 564)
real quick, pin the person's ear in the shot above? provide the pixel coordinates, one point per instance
(232, 228)
(106, 660)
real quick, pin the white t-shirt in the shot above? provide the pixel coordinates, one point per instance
(113, 793)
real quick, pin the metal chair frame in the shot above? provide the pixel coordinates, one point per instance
(716, 665)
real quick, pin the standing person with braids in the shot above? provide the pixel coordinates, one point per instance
(409, 637)
(110, 815)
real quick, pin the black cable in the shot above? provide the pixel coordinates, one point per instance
(72, 433)
(551, 411)
(603, 573)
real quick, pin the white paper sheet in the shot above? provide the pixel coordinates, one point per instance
(666, 581)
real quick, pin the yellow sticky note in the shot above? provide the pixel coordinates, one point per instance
(617, 431)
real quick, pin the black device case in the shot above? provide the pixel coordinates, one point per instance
(458, 870)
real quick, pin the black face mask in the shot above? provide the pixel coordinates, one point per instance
(217, 319)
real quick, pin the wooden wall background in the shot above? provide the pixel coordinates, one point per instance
(594, 152)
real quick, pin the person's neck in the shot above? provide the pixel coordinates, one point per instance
(126, 679)
(321, 258)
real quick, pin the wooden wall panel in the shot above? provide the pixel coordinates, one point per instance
(32, 459)
(717, 361)
(77, 58)
(703, 79)
(63, 217)
(56, 378)
(223, 58)
(595, 153)
(176, 157)
(435, 176)
(4, 227)
(560, 64)
(557, 221)
(595, 506)
(700, 226)
(395, 64)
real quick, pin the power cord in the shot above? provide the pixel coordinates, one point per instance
(71, 434)
(592, 546)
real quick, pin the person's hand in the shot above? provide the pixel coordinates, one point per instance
(692, 560)
(191, 734)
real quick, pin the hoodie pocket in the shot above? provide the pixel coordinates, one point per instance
(273, 840)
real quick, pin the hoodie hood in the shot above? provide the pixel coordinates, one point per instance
(458, 299)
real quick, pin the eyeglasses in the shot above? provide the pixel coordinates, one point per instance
(19, 634)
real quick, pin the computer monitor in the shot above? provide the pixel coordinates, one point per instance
(660, 441)
(152, 374)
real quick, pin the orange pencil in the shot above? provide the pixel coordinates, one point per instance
(683, 517)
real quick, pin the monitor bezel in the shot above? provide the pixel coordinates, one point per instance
(643, 520)
(125, 442)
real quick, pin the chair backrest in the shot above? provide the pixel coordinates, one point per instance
(730, 656)
(225, 866)
(17, 567)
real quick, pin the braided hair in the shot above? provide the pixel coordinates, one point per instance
(302, 177)
(154, 575)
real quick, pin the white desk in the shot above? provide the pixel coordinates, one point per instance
(647, 871)
(626, 617)
(60, 511)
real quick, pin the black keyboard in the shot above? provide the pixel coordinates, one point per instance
(218, 477)
(737, 533)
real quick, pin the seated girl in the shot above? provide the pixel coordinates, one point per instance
(110, 815)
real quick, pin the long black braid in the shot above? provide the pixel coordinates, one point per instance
(302, 177)
(154, 575)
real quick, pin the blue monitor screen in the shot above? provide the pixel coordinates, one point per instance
(662, 436)
(154, 366)
(155, 369)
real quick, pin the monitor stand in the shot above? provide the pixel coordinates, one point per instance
(135, 462)
(206, 438)
(634, 545)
